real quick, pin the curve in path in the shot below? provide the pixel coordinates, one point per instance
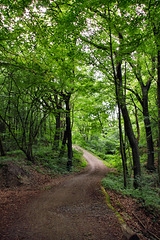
(74, 210)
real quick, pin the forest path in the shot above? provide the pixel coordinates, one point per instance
(73, 210)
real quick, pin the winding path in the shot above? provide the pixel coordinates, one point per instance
(73, 210)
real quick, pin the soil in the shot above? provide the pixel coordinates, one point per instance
(65, 208)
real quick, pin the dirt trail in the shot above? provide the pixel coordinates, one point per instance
(73, 210)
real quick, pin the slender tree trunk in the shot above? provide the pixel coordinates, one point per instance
(58, 102)
(1, 148)
(57, 131)
(127, 122)
(150, 147)
(124, 162)
(129, 130)
(146, 117)
(158, 103)
(29, 153)
(2, 130)
(69, 135)
(137, 123)
(50, 129)
(63, 144)
(133, 144)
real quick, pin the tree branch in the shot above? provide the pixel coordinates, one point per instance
(99, 46)
(136, 94)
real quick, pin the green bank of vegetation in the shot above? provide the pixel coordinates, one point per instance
(45, 161)
(148, 192)
(86, 72)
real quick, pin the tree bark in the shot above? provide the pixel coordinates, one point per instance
(129, 129)
(127, 122)
(57, 131)
(29, 154)
(123, 154)
(144, 103)
(158, 103)
(150, 147)
(156, 31)
(58, 102)
(133, 144)
(68, 132)
(137, 123)
(63, 144)
(1, 148)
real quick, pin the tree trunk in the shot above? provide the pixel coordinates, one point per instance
(127, 122)
(68, 132)
(57, 131)
(133, 144)
(122, 148)
(29, 154)
(129, 130)
(156, 31)
(144, 104)
(158, 103)
(150, 147)
(1, 148)
(137, 123)
(63, 144)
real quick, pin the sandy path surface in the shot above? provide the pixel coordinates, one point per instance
(75, 209)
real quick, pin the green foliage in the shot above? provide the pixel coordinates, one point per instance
(16, 156)
(147, 194)
(83, 163)
(49, 159)
(46, 160)
(107, 148)
(102, 145)
(114, 161)
(78, 161)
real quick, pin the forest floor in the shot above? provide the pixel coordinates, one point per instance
(70, 207)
